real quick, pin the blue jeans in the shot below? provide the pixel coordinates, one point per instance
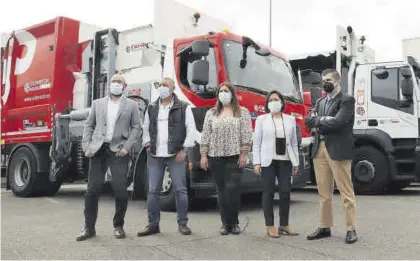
(156, 168)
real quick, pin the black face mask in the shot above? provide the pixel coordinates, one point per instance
(328, 87)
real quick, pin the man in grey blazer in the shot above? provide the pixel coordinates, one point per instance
(111, 130)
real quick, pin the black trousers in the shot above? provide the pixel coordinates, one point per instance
(283, 171)
(227, 177)
(98, 166)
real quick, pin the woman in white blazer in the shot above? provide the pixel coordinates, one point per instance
(276, 155)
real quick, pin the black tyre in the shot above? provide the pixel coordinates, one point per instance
(140, 182)
(107, 188)
(396, 186)
(167, 194)
(141, 186)
(23, 179)
(370, 171)
(53, 188)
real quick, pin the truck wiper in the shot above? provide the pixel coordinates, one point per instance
(253, 89)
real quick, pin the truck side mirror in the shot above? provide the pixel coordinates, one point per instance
(315, 78)
(200, 48)
(200, 72)
(316, 93)
(406, 83)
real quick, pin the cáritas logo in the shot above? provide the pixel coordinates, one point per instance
(136, 47)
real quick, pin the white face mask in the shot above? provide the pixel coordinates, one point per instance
(163, 92)
(116, 89)
(225, 97)
(275, 106)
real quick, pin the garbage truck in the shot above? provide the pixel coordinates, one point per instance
(411, 54)
(51, 72)
(386, 127)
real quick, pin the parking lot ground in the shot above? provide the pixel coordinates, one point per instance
(46, 227)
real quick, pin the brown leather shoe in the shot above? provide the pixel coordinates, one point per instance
(272, 232)
(287, 231)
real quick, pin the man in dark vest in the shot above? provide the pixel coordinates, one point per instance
(169, 131)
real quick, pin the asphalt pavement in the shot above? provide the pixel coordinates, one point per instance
(46, 228)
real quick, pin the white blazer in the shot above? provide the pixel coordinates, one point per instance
(264, 140)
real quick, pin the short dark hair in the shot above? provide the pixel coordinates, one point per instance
(281, 98)
(334, 72)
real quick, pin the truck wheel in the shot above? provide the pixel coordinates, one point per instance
(23, 178)
(140, 183)
(141, 186)
(53, 188)
(107, 188)
(370, 172)
(397, 186)
(167, 194)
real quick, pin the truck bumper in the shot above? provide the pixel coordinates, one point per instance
(404, 162)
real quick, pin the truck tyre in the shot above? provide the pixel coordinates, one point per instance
(23, 178)
(167, 194)
(107, 188)
(396, 186)
(53, 188)
(141, 186)
(370, 172)
(140, 183)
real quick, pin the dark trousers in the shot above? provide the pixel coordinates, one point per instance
(98, 166)
(283, 171)
(177, 170)
(227, 177)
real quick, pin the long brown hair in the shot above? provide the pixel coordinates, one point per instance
(235, 104)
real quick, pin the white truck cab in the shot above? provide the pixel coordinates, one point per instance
(411, 53)
(386, 126)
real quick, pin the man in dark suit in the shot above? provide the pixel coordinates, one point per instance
(332, 153)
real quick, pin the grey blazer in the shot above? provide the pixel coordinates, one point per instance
(264, 140)
(127, 126)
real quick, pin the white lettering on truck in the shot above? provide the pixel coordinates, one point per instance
(37, 97)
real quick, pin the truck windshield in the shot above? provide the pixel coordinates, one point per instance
(261, 74)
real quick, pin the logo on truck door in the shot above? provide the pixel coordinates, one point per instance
(22, 64)
(37, 85)
(136, 47)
